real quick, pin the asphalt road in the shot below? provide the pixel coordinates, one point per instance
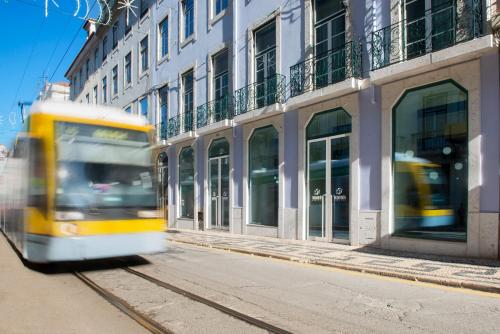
(311, 299)
(33, 302)
(297, 297)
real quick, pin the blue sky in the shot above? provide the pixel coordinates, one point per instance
(24, 30)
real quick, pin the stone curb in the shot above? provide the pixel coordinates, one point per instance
(357, 268)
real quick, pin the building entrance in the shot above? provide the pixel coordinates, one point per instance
(328, 176)
(218, 175)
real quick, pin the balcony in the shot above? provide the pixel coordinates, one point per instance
(326, 69)
(438, 29)
(214, 115)
(160, 133)
(180, 127)
(260, 98)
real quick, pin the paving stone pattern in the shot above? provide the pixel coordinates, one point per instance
(469, 273)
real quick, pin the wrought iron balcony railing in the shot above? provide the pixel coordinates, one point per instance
(214, 111)
(161, 132)
(179, 124)
(326, 69)
(260, 94)
(437, 29)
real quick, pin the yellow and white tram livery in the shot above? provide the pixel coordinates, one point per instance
(80, 184)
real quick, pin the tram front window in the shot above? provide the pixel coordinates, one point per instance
(103, 173)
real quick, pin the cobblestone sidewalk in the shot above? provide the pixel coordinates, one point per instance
(481, 275)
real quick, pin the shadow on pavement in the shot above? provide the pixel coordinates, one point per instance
(87, 265)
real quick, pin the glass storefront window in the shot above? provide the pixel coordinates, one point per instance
(264, 176)
(219, 147)
(186, 182)
(430, 163)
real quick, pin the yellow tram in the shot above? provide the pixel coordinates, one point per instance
(80, 184)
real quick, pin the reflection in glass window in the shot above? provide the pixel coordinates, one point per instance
(220, 5)
(430, 163)
(143, 104)
(219, 148)
(264, 176)
(128, 68)
(144, 54)
(163, 94)
(163, 30)
(188, 11)
(186, 182)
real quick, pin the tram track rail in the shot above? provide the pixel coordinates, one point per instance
(155, 327)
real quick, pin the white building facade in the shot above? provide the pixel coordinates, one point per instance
(360, 122)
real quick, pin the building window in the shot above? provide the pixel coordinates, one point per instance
(163, 94)
(115, 34)
(104, 48)
(265, 64)
(143, 106)
(87, 98)
(96, 58)
(187, 99)
(114, 78)
(128, 68)
(330, 41)
(87, 69)
(104, 90)
(264, 176)
(80, 73)
(220, 5)
(144, 7)
(430, 158)
(188, 17)
(163, 30)
(144, 54)
(128, 110)
(186, 183)
(221, 78)
(95, 100)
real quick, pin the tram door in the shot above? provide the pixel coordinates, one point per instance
(219, 192)
(328, 188)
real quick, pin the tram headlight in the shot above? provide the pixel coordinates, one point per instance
(149, 214)
(68, 229)
(69, 215)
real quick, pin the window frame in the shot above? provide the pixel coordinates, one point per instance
(468, 150)
(139, 103)
(179, 188)
(160, 42)
(186, 39)
(249, 179)
(104, 47)
(96, 56)
(127, 83)
(95, 92)
(141, 63)
(114, 33)
(160, 104)
(114, 81)
(104, 89)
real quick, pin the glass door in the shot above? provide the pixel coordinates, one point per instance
(339, 180)
(219, 192)
(328, 188)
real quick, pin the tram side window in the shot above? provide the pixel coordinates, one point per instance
(37, 186)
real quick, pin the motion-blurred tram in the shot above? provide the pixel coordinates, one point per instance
(80, 184)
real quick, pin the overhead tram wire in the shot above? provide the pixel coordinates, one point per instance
(33, 46)
(69, 46)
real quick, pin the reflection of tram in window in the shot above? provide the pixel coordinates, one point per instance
(421, 199)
